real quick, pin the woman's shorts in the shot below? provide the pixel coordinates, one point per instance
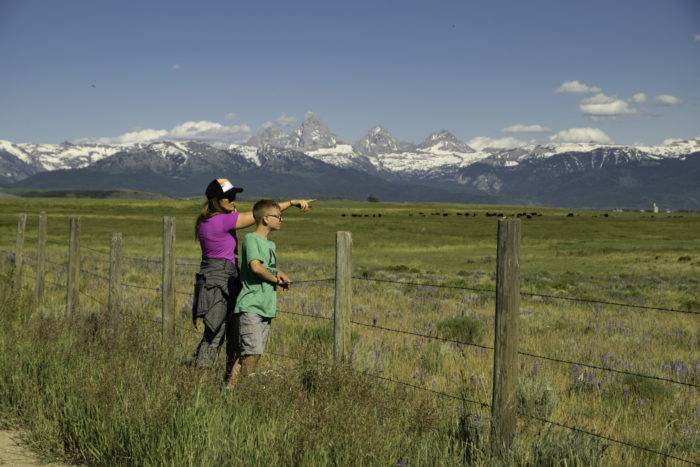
(253, 330)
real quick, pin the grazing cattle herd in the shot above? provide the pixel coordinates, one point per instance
(527, 215)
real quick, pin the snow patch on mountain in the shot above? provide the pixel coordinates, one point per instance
(15, 151)
(66, 156)
(249, 152)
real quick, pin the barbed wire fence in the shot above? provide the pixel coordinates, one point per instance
(340, 320)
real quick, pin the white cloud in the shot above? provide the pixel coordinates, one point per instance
(639, 98)
(284, 120)
(176, 66)
(667, 100)
(581, 135)
(602, 105)
(697, 37)
(132, 137)
(576, 87)
(522, 128)
(231, 116)
(211, 132)
(482, 142)
(668, 141)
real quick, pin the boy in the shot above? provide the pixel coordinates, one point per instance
(257, 301)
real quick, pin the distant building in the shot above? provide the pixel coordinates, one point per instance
(655, 209)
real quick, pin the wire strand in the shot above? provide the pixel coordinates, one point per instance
(607, 438)
(440, 286)
(614, 370)
(417, 334)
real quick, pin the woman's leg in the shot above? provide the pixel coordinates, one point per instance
(208, 348)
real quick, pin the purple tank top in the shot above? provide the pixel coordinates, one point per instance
(217, 236)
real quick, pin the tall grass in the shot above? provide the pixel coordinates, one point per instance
(128, 401)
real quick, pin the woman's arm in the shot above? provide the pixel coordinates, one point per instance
(246, 219)
(303, 204)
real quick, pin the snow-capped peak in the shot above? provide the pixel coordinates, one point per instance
(444, 142)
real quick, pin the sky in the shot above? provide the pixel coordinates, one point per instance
(501, 72)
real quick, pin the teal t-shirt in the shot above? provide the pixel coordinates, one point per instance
(257, 296)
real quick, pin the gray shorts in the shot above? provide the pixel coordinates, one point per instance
(253, 330)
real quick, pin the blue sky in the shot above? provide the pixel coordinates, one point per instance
(126, 71)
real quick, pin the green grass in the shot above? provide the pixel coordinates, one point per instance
(82, 398)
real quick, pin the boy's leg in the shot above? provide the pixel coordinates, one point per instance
(249, 362)
(252, 337)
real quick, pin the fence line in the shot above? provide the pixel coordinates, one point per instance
(614, 370)
(607, 438)
(92, 297)
(420, 284)
(603, 302)
(504, 411)
(521, 414)
(426, 336)
(136, 286)
(304, 315)
(532, 294)
(93, 274)
(404, 383)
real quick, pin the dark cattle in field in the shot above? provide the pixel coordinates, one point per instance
(571, 214)
(444, 214)
(343, 215)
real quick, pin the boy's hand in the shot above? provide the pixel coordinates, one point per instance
(283, 280)
(303, 204)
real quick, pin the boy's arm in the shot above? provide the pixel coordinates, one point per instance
(262, 272)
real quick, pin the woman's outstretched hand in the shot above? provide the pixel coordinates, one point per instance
(303, 204)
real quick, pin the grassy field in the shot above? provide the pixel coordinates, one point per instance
(124, 400)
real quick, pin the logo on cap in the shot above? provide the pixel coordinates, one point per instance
(225, 184)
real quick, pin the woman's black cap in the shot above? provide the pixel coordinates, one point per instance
(221, 187)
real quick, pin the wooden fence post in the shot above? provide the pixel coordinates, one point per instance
(114, 301)
(168, 283)
(40, 260)
(343, 296)
(505, 356)
(19, 245)
(73, 282)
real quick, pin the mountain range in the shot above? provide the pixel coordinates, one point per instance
(312, 161)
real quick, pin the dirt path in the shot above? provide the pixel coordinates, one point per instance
(13, 453)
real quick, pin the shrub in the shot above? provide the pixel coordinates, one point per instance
(536, 397)
(372, 199)
(463, 329)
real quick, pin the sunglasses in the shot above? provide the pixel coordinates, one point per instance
(231, 197)
(277, 216)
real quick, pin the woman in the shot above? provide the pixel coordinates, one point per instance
(217, 283)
